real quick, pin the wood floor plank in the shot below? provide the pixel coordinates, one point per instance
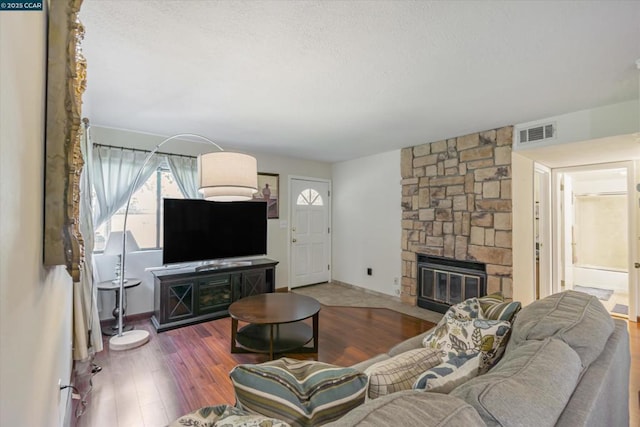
(153, 414)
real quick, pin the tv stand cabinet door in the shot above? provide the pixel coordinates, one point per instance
(179, 301)
(254, 282)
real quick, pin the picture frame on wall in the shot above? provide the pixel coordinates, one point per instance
(268, 190)
(64, 161)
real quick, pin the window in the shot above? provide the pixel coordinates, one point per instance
(309, 196)
(145, 212)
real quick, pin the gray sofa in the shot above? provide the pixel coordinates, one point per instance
(567, 363)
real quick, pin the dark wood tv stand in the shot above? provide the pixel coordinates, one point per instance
(202, 292)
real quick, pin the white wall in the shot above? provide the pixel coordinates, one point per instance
(140, 299)
(523, 229)
(610, 183)
(578, 134)
(35, 303)
(594, 183)
(523, 236)
(278, 229)
(585, 125)
(604, 279)
(366, 221)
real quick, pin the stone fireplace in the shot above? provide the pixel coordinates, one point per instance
(456, 205)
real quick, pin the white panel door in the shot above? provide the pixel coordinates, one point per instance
(310, 233)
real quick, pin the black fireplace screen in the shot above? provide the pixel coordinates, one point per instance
(443, 282)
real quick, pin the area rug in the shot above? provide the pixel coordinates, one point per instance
(601, 294)
(342, 294)
(620, 309)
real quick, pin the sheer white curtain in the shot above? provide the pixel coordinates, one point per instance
(113, 172)
(185, 171)
(86, 322)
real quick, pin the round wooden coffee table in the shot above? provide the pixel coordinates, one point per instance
(274, 324)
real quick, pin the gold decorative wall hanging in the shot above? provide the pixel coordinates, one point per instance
(66, 82)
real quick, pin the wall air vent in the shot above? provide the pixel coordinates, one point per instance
(538, 133)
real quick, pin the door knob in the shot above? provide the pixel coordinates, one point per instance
(636, 265)
(294, 240)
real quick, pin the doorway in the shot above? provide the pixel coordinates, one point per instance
(592, 223)
(542, 231)
(310, 238)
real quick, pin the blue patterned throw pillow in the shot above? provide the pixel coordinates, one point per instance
(466, 310)
(227, 416)
(456, 336)
(450, 373)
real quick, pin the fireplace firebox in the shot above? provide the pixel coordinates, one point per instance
(443, 282)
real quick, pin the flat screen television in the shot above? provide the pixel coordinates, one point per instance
(201, 230)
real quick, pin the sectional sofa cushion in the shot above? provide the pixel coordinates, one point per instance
(449, 374)
(225, 416)
(362, 366)
(300, 392)
(530, 386)
(400, 372)
(578, 319)
(412, 408)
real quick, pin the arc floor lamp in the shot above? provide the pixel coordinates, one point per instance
(223, 176)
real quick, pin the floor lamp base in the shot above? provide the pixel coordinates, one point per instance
(128, 340)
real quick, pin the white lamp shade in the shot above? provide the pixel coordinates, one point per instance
(226, 176)
(114, 243)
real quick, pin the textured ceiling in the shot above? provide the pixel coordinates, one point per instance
(336, 80)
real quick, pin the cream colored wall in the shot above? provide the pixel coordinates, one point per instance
(278, 229)
(366, 217)
(634, 231)
(523, 231)
(585, 125)
(141, 299)
(600, 225)
(35, 303)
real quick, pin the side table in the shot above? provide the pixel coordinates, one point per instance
(108, 285)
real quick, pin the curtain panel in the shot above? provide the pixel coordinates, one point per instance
(185, 172)
(114, 171)
(87, 335)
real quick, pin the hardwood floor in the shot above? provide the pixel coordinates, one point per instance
(184, 369)
(187, 368)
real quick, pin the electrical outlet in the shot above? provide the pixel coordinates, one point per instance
(396, 282)
(59, 389)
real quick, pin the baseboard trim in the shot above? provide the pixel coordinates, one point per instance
(369, 291)
(128, 318)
